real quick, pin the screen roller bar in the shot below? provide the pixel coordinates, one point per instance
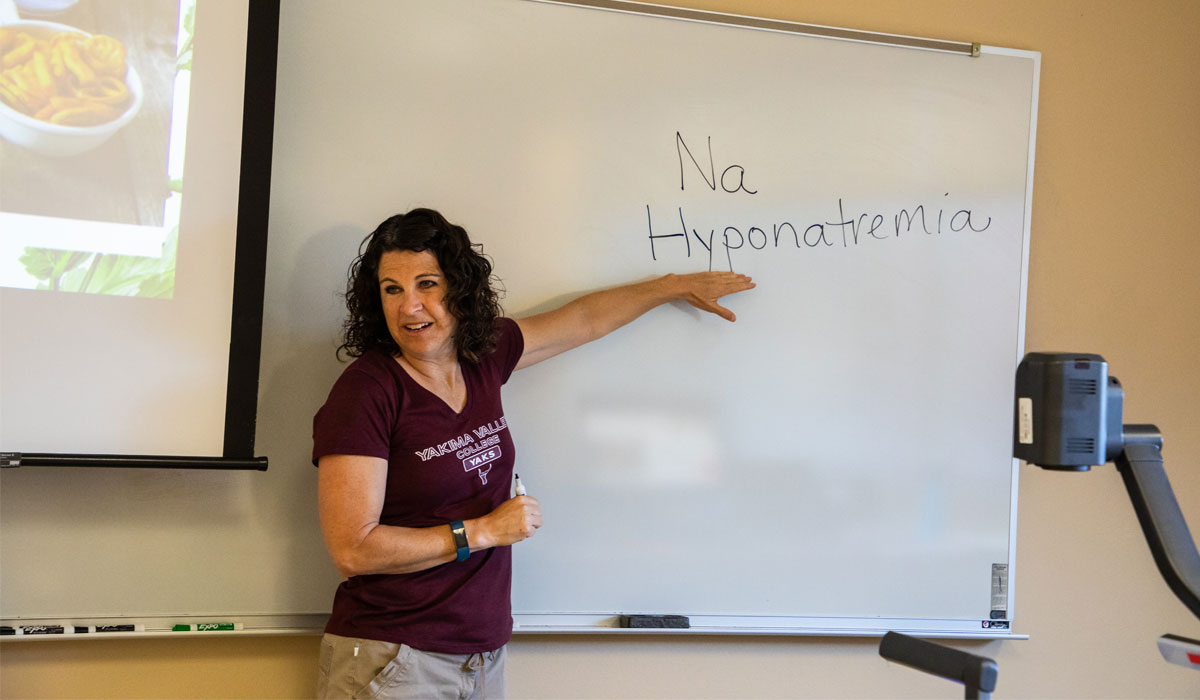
(35, 459)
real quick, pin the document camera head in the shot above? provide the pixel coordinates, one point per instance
(1068, 411)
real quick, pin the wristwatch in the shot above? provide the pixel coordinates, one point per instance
(460, 539)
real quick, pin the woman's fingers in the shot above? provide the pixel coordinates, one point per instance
(705, 288)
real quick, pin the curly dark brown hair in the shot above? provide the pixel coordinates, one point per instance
(470, 295)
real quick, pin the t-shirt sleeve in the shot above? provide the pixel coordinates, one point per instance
(510, 345)
(358, 416)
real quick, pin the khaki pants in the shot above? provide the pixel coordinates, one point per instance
(365, 669)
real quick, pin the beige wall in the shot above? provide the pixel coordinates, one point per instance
(1114, 269)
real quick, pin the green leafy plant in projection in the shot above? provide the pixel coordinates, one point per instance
(183, 58)
(98, 273)
(120, 275)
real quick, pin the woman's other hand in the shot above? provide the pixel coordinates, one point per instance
(515, 520)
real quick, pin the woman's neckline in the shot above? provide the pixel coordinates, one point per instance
(419, 380)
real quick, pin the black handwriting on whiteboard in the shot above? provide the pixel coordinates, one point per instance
(850, 230)
(853, 230)
(733, 178)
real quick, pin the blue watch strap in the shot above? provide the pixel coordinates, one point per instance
(460, 539)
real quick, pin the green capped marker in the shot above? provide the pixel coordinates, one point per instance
(207, 627)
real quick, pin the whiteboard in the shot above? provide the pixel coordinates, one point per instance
(838, 461)
(840, 454)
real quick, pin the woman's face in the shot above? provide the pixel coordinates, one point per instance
(412, 289)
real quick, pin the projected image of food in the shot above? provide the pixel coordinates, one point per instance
(93, 110)
(67, 78)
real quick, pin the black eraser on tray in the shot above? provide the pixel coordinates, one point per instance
(675, 622)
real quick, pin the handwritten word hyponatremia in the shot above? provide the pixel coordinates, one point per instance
(849, 232)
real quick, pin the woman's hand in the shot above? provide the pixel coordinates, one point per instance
(350, 493)
(516, 519)
(703, 289)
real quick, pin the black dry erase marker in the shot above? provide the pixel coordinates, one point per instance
(44, 629)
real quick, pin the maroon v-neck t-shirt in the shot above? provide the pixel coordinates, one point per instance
(442, 466)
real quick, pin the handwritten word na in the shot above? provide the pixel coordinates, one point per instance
(732, 180)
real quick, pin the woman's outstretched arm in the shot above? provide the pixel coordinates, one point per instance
(597, 314)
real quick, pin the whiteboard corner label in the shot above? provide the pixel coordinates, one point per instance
(999, 591)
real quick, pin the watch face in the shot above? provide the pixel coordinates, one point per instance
(460, 532)
(460, 540)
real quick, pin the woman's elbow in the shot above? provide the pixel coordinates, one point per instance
(346, 567)
(349, 560)
(342, 561)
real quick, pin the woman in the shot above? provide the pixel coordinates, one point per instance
(416, 460)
